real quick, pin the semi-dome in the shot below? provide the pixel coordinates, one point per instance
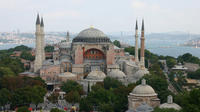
(143, 90)
(170, 104)
(140, 73)
(96, 75)
(91, 35)
(116, 73)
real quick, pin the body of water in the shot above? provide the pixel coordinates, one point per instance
(160, 47)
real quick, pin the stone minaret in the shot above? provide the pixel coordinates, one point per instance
(42, 39)
(67, 38)
(136, 43)
(142, 60)
(39, 46)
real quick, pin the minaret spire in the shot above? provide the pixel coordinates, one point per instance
(136, 43)
(42, 23)
(38, 46)
(142, 24)
(42, 38)
(142, 49)
(67, 38)
(38, 19)
(136, 25)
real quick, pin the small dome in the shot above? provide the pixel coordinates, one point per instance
(170, 104)
(96, 75)
(116, 73)
(91, 35)
(143, 90)
(140, 73)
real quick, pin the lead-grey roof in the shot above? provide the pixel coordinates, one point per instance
(91, 35)
(143, 90)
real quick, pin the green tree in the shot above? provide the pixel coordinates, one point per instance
(23, 109)
(73, 97)
(5, 97)
(194, 75)
(106, 107)
(16, 82)
(111, 83)
(13, 63)
(170, 62)
(156, 69)
(6, 71)
(56, 110)
(20, 48)
(117, 43)
(188, 58)
(72, 86)
(27, 56)
(22, 97)
(25, 96)
(189, 101)
(38, 96)
(85, 105)
(49, 48)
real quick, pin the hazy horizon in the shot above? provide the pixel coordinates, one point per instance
(108, 16)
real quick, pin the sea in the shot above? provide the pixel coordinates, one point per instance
(160, 47)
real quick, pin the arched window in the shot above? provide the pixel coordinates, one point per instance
(93, 54)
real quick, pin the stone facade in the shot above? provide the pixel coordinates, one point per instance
(40, 55)
(49, 73)
(142, 93)
(90, 50)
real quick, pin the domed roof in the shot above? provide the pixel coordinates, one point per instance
(143, 90)
(170, 104)
(96, 75)
(116, 73)
(91, 35)
(140, 73)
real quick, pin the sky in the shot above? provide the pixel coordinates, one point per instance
(106, 15)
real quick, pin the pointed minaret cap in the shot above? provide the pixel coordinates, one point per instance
(42, 23)
(142, 24)
(136, 26)
(38, 19)
(143, 82)
(170, 99)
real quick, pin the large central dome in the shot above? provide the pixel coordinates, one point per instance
(91, 35)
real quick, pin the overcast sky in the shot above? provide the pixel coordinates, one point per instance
(106, 15)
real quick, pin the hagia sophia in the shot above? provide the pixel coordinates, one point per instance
(90, 52)
(90, 57)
